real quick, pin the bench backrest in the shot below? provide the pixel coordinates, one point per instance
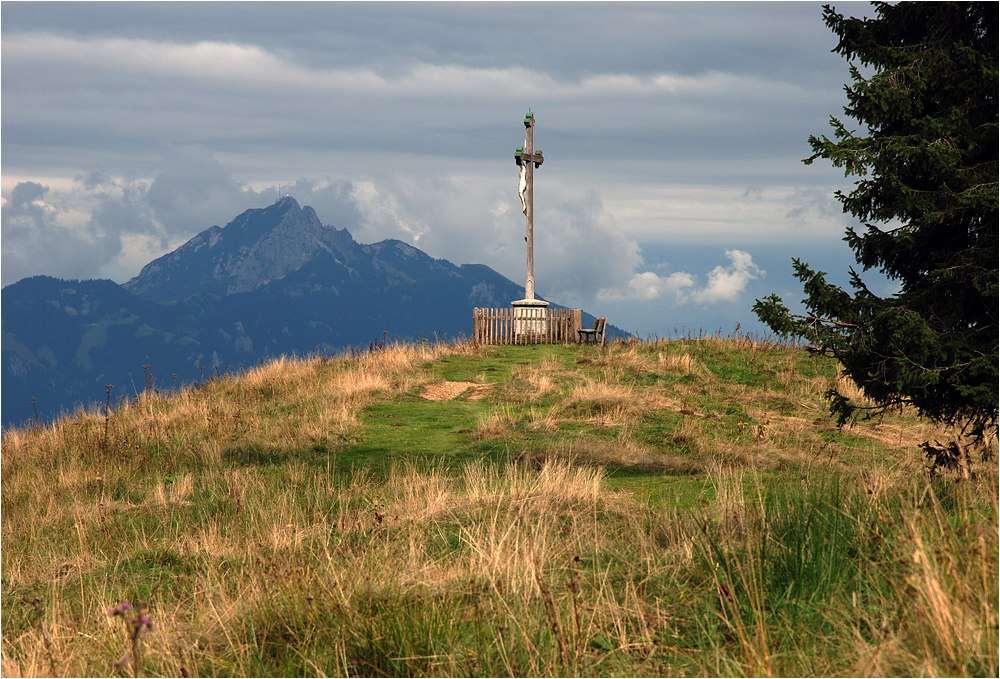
(600, 325)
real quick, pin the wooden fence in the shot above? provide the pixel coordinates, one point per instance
(525, 325)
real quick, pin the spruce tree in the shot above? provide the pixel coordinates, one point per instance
(925, 160)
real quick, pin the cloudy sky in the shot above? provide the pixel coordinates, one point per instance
(673, 191)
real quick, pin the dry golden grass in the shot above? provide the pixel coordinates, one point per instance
(316, 395)
(623, 452)
(607, 403)
(851, 391)
(519, 526)
(540, 378)
(681, 363)
(289, 568)
(631, 356)
(496, 424)
(945, 588)
(530, 382)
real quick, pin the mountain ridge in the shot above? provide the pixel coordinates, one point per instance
(274, 281)
(268, 242)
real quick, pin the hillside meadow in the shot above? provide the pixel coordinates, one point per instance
(670, 507)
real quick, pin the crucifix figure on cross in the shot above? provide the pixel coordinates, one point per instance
(528, 158)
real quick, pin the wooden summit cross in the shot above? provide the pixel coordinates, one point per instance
(530, 321)
(528, 158)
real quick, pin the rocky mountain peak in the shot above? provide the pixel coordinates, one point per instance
(302, 287)
(259, 246)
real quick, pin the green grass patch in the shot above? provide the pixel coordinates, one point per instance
(644, 509)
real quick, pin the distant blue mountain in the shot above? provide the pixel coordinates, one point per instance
(274, 281)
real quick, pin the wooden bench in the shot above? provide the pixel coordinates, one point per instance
(595, 333)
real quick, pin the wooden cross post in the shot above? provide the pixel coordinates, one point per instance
(528, 159)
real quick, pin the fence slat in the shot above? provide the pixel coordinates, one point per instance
(544, 326)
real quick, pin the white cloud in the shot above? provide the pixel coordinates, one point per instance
(232, 66)
(649, 286)
(106, 225)
(579, 248)
(37, 239)
(724, 284)
(385, 216)
(400, 122)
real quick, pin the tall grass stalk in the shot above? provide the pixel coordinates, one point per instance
(602, 512)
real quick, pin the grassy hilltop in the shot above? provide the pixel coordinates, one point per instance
(677, 507)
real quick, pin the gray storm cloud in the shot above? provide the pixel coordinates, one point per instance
(121, 225)
(35, 241)
(129, 127)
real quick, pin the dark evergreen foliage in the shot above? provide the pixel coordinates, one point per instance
(924, 85)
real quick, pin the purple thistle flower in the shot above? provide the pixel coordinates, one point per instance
(123, 662)
(126, 606)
